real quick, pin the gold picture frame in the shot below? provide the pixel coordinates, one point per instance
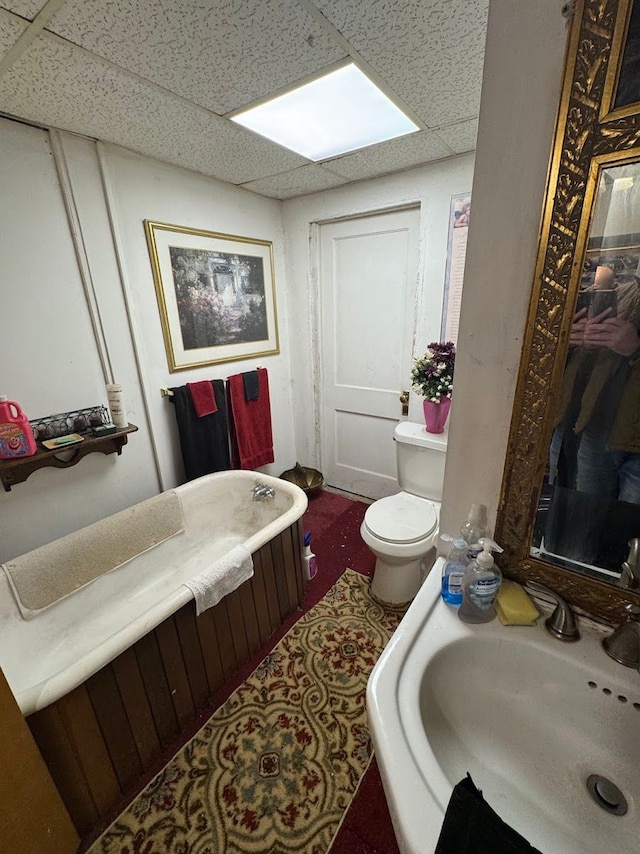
(591, 135)
(216, 295)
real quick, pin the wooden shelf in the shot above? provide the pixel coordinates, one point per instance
(19, 469)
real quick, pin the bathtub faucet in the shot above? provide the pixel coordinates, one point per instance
(261, 490)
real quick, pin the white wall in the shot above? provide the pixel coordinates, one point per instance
(431, 187)
(520, 95)
(54, 360)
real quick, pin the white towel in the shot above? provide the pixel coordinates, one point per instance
(222, 578)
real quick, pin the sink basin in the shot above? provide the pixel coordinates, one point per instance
(532, 720)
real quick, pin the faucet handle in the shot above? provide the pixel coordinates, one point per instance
(623, 644)
(562, 623)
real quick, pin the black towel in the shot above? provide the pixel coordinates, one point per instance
(472, 827)
(251, 385)
(204, 441)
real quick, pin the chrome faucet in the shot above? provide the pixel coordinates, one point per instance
(630, 575)
(261, 490)
(623, 644)
(562, 623)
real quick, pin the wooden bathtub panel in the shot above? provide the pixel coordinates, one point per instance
(260, 600)
(239, 634)
(139, 714)
(57, 748)
(176, 672)
(157, 688)
(210, 651)
(222, 625)
(114, 725)
(269, 575)
(282, 578)
(100, 739)
(250, 619)
(185, 620)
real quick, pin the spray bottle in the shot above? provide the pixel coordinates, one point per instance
(310, 560)
(480, 585)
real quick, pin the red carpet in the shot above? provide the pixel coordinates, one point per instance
(334, 522)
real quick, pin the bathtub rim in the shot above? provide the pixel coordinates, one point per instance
(46, 691)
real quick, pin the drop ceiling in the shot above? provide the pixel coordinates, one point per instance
(161, 76)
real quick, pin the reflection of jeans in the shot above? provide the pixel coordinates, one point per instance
(609, 474)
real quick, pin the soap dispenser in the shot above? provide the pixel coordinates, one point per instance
(480, 585)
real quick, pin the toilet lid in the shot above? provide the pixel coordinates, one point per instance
(401, 518)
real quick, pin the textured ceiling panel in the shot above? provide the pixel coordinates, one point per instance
(392, 156)
(430, 52)
(25, 8)
(222, 55)
(10, 31)
(298, 182)
(54, 83)
(461, 136)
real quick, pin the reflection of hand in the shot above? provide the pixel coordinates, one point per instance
(576, 336)
(612, 332)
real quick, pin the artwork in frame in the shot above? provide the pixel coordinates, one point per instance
(216, 295)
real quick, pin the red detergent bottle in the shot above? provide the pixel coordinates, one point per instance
(16, 435)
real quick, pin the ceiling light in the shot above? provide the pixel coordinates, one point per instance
(339, 112)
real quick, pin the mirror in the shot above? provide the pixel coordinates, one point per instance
(570, 504)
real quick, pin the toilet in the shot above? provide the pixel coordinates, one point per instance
(401, 529)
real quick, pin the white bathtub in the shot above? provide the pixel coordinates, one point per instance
(45, 657)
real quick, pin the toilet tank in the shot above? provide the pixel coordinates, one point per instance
(420, 460)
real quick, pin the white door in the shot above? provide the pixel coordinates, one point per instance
(368, 274)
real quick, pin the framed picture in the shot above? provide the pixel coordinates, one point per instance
(216, 295)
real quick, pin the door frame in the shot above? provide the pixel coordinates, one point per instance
(315, 307)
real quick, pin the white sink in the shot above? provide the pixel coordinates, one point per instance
(529, 717)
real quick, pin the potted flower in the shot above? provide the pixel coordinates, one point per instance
(432, 378)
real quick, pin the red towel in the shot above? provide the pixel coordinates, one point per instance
(203, 398)
(250, 423)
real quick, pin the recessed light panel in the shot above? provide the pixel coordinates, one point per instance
(337, 113)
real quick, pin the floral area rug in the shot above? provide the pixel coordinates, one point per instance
(275, 767)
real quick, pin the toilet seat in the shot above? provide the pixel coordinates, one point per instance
(401, 518)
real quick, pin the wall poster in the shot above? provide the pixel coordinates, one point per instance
(459, 214)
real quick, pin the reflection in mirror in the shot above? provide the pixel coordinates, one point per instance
(588, 518)
(628, 89)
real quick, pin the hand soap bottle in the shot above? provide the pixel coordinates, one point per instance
(480, 585)
(453, 571)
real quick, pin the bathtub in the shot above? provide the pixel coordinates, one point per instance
(46, 657)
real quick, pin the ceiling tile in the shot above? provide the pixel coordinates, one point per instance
(392, 156)
(297, 182)
(222, 55)
(430, 52)
(461, 137)
(11, 28)
(57, 84)
(25, 8)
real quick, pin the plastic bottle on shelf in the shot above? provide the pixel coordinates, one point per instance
(476, 525)
(310, 560)
(453, 571)
(116, 405)
(480, 585)
(16, 435)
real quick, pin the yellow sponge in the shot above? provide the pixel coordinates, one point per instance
(514, 607)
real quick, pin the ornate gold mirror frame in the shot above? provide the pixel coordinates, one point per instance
(589, 135)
